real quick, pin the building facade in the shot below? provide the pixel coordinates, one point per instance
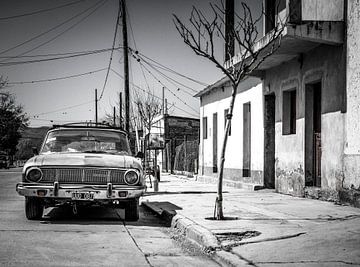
(310, 86)
(244, 154)
(309, 101)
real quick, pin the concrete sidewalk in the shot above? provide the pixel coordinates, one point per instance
(263, 228)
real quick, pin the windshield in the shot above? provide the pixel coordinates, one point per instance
(85, 140)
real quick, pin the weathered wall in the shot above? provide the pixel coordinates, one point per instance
(325, 64)
(322, 10)
(352, 122)
(217, 101)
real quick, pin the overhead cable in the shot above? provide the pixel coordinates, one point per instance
(56, 58)
(58, 78)
(40, 11)
(49, 30)
(149, 93)
(64, 108)
(171, 70)
(112, 52)
(139, 61)
(61, 33)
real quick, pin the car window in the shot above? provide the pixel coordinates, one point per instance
(86, 140)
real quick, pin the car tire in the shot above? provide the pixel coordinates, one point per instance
(33, 208)
(132, 210)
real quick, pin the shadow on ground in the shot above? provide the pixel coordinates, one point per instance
(97, 215)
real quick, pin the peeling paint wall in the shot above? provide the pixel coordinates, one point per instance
(218, 100)
(323, 64)
(352, 124)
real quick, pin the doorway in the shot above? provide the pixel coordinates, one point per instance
(269, 141)
(215, 142)
(247, 140)
(313, 134)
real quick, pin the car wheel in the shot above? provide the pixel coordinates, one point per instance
(132, 210)
(33, 208)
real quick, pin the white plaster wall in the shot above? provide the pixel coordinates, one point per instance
(322, 10)
(352, 124)
(332, 144)
(233, 156)
(353, 79)
(290, 149)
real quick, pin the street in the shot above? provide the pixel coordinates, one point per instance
(93, 237)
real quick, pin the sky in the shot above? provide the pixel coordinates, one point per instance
(88, 25)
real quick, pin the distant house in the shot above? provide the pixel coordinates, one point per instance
(244, 154)
(181, 142)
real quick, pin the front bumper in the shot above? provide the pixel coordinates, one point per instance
(66, 192)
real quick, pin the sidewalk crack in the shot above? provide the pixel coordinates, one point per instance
(241, 243)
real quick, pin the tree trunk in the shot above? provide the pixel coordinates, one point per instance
(219, 199)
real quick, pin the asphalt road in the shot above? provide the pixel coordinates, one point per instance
(94, 237)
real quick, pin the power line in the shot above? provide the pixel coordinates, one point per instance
(63, 54)
(111, 55)
(40, 11)
(169, 79)
(132, 34)
(147, 92)
(47, 31)
(55, 58)
(58, 78)
(171, 70)
(64, 108)
(61, 33)
(166, 87)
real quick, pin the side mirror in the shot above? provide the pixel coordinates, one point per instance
(35, 151)
(140, 155)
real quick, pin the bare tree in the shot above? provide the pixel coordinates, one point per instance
(202, 35)
(148, 108)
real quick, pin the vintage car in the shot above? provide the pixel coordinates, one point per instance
(83, 165)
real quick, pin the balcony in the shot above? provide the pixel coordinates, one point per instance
(310, 24)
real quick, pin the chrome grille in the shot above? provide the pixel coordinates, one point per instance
(83, 175)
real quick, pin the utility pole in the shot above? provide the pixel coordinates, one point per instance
(114, 117)
(120, 110)
(96, 108)
(126, 67)
(163, 101)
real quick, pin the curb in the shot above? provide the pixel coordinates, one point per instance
(198, 235)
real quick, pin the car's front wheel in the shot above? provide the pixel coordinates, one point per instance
(132, 210)
(33, 208)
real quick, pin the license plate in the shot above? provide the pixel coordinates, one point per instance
(82, 195)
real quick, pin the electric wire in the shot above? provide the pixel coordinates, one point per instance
(167, 87)
(147, 92)
(61, 33)
(171, 70)
(169, 79)
(63, 54)
(62, 109)
(57, 78)
(56, 58)
(111, 55)
(133, 37)
(41, 11)
(49, 30)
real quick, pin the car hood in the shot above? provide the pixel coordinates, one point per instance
(84, 159)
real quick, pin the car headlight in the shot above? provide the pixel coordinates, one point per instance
(34, 174)
(131, 177)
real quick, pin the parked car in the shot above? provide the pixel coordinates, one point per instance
(4, 161)
(83, 165)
